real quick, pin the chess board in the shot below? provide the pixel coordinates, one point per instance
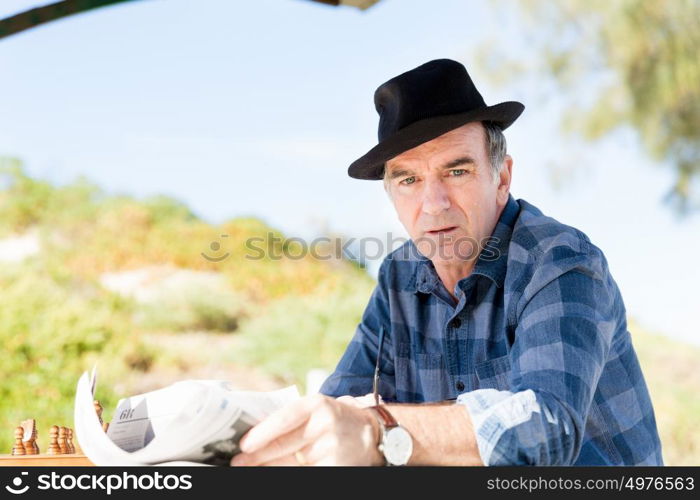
(41, 460)
(61, 450)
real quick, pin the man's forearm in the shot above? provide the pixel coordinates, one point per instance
(442, 434)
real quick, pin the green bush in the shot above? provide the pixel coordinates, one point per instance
(670, 369)
(296, 334)
(200, 302)
(56, 320)
(52, 330)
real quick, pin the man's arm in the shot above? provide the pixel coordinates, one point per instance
(442, 433)
(566, 324)
(567, 320)
(326, 431)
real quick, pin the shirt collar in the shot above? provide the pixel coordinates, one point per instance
(493, 259)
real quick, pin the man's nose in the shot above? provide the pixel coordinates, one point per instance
(435, 197)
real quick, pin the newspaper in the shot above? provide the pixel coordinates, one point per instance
(193, 422)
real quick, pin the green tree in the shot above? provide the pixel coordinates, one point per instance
(638, 63)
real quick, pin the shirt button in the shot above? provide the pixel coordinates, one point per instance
(459, 385)
(456, 323)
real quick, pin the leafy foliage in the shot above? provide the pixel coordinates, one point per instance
(624, 63)
(58, 318)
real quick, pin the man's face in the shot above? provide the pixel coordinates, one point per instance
(445, 195)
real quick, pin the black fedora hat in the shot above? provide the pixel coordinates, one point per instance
(422, 104)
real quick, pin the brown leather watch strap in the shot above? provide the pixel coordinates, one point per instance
(387, 418)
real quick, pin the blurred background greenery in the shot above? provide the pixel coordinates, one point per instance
(96, 277)
(627, 63)
(102, 281)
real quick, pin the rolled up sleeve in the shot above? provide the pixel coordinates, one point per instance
(566, 319)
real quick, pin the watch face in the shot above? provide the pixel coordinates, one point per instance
(398, 446)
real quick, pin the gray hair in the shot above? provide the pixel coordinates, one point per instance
(496, 146)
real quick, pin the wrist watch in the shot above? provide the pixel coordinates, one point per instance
(395, 443)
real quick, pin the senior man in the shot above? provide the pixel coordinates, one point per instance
(497, 334)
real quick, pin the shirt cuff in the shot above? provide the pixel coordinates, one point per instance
(495, 412)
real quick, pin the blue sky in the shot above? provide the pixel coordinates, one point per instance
(258, 107)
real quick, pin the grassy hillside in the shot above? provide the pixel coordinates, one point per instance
(58, 317)
(260, 323)
(670, 368)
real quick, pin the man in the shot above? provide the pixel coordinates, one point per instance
(499, 334)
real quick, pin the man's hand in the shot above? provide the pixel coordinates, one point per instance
(315, 430)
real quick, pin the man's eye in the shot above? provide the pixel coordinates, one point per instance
(457, 172)
(408, 180)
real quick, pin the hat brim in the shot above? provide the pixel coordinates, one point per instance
(371, 165)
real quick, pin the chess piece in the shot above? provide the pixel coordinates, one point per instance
(98, 410)
(29, 436)
(62, 440)
(54, 449)
(71, 447)
(35, 445)
(18, 448)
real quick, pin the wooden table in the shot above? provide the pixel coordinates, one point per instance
(73, 460)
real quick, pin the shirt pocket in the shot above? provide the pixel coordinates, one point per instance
(494, 373)
(420, 376)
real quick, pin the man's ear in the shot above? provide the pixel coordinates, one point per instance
(504, 178)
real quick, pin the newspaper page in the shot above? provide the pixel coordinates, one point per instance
(195, 420)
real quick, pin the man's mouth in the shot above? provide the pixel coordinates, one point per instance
(442, 230)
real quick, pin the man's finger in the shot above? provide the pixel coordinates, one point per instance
(279, 423)
(286, 461)
(317, 452)
(298, 458)
(277, 448)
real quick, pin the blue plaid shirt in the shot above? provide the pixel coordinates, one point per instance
(537, 347)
